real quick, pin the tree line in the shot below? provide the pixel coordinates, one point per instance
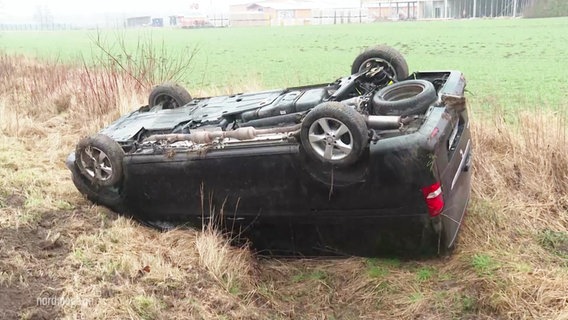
(547, 8)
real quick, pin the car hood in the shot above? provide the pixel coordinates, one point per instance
(205, 110)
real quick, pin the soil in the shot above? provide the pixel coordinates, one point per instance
(43, 245)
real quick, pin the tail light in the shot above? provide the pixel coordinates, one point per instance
(434, 199)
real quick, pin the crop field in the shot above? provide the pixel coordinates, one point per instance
(520, 60)
(63, 257)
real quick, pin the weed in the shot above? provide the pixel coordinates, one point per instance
(29, 217)
(80, 256)
(377, 271)
(63, 205)
(416, 297)
(315, 275)
(111, 268)
(445, 276)
(146, 307)
(319, 275)
(555, 242)
(483, 264)
(378, 268)
(468, 303)
(424, 274)
(387, 262)
(147, 62)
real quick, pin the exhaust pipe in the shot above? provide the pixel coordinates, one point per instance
(248, 133)
(384, 122)
(244, 133)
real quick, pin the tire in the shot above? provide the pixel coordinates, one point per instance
(169, 95)
(99, 160)
(106, 196)
(404, 98)
(320, 138)
(389, 58)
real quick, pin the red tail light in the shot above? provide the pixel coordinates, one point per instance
(434, 199)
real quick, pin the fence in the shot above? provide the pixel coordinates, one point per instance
(331, 16)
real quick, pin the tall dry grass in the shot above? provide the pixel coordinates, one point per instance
(519, 211)
(49, 92)
(511, 260)
(45, 108)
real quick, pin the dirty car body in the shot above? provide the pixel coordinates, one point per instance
(332, 169)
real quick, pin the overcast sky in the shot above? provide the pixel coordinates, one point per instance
(23, 8)
(85, 12)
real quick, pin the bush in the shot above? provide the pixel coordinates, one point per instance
(547, 8)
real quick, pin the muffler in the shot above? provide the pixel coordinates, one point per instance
(384, 122)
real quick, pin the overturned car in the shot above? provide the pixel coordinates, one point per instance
(375, 162)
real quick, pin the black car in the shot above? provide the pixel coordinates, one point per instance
(375, 162)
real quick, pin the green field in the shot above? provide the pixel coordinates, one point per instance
(521, 61)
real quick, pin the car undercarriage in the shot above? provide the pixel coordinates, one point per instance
(368, 158)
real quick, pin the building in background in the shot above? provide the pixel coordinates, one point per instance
(209, 13)
(194, 20)
(298, 12)
(445, 9)
(189, 20)
(394, 10)
(292, 12)
(134, 22)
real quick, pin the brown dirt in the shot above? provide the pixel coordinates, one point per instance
(39, 281)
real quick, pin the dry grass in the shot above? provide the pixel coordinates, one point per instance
(511, 261)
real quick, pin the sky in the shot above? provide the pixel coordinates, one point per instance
(97, 12)
(27, 8)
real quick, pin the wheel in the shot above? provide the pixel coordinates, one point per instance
(99, 160)
(107, 196)
(169, 95)
(389, 58)
(404, 98)
(334, 133)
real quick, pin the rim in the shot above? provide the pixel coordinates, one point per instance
(378, 62)
(331, 139)
(96, 163)
(167, 101)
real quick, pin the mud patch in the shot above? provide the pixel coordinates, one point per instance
(12, 200)
(27, 257)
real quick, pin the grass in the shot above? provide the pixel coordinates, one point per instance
(555, 241)
(315, 275)
(146, 308)
(424, 274)
(510, 262)
(483, 264)
(379, 268)
(518, 61)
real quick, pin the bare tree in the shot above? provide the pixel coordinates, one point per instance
(43, 15)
